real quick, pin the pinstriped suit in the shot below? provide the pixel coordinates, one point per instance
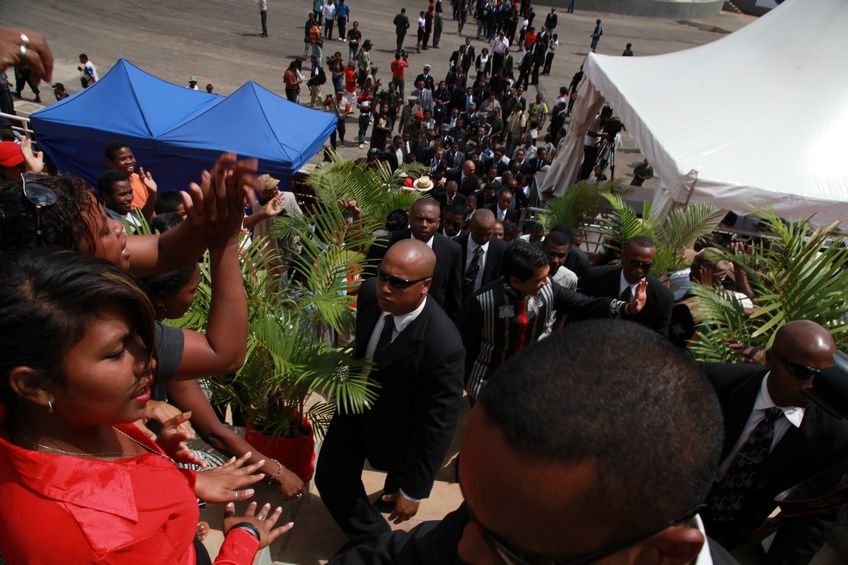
(489, 324)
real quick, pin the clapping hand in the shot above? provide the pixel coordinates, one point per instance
(172, 437)
(215, 207)
(262, 521)
(34, 161)
(37, 55)
(147, 178)
(222, 484)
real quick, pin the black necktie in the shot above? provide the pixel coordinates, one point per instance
(727, 496)
(626, 294)
(471, 273)
(386, 335)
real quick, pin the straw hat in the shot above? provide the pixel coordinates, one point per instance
(269, 182)
(423, 183)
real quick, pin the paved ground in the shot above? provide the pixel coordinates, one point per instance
(218, 40)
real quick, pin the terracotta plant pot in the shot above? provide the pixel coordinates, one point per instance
(296, 454)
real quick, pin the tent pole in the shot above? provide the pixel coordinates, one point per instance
(693, 175)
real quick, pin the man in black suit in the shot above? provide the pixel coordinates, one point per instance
(541, 478)
(418, 362)
(774, 438)
(424, 220)
(450, 196)
(466, 179)
(613, 281)
(502, 208)
(487, 265)
(396, 153)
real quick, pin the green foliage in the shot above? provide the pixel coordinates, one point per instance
(580, 204)
(672, 232)
(799, 275)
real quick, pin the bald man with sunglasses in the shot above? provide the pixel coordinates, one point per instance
(774, 438)
(417, 358)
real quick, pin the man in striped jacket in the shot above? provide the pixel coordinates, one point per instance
(520, 308)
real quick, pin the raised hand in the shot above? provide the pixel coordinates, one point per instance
(262, 521)
(34, 161)
(640, 298)
(147, 178)
(215, 207)
(222, 484)
(37, 55)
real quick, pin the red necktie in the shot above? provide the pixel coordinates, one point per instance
(523, 322)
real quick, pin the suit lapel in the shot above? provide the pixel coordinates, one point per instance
(367, 315)
(740, 403)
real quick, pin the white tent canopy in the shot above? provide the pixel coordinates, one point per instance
(758, 118)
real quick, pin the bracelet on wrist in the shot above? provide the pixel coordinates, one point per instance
(275, 478)
(249, 528)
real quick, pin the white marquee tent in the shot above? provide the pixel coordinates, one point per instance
(758, 118)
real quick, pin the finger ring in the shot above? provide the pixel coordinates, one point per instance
(22, 55)
(24, 40)
(298, 496)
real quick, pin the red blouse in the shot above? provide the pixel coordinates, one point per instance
(72, 510)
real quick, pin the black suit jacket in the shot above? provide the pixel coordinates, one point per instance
(442, 198)
(436, 542)
(820, 442)
(492, 268)
(604, 281)
(511, 213)
(446, 289)
(468, 185)
(409, 429)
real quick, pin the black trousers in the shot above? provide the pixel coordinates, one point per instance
(263, 16)
(549, 59)
(590, 155)
(400, 38)
(342, 24)
(23, 76)
(340, 131)
(328, 29)
(339, 480)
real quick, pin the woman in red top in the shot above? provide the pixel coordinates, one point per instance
(79, 483)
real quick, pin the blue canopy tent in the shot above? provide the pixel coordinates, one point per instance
(175, 132)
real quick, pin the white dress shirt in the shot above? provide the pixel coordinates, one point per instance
(401, 323)
(469, 255)
(794, 415)
(501, 215)
(429, 242)
(622, 284)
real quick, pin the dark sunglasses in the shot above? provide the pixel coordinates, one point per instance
(512, 556)
(636, 264)
(397, 282)
(797, 370)
(41, 197)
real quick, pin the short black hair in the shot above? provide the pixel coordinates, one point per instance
(107, 180)
(168, 202)
(456, 208)
(112, 149)
(640, 241)
(397, 220)
(521, 260)
(164, 222)
(631, 403)
(557, 238)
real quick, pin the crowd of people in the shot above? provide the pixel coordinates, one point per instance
(591, 436)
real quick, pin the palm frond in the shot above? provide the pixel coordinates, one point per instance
(798, 275)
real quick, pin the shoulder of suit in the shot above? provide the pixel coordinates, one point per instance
(659, 287)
